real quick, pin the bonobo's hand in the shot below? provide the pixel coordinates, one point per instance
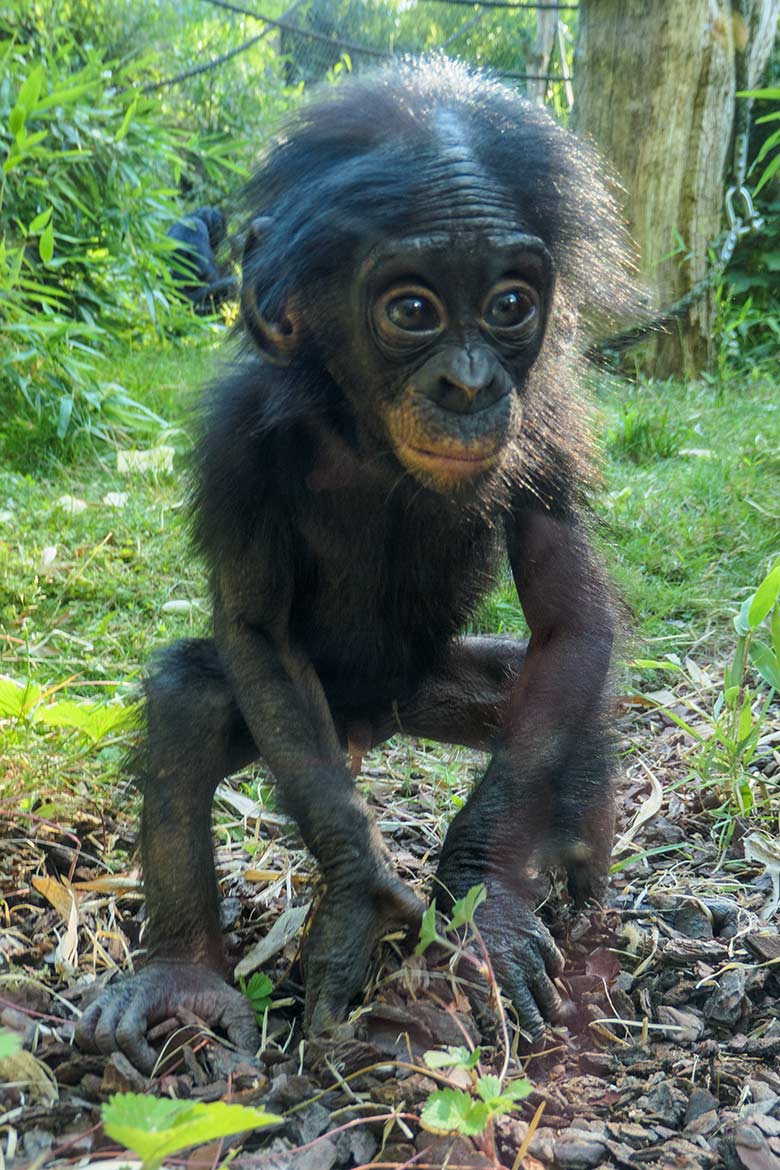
(524, 958)
(120, 1017)
(352, 916)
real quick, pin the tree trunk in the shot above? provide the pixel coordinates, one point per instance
(655, 86)
(538, 56)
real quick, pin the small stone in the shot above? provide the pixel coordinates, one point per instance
(287, 1091)
(728, 1003)
(356, 1147)
(700, 1101)
(753, 1149)
(693, 921)
(315, 1120)
(703, 1125)
(543, 1143)
(667, 1103)
(578, 1150)
(120, 1076)
(684, 1026)
(323, 1156)
(630, 1132)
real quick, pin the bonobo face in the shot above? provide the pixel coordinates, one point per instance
(444, 332)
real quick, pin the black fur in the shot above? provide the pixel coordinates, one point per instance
(349, 541)
(193, 262)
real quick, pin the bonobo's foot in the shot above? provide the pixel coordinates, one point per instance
(121, 1016)
(349, 921)
(524, 958)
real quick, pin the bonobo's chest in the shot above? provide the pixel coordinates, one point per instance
(381, 587)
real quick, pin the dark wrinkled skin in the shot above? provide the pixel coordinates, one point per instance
(409, 418)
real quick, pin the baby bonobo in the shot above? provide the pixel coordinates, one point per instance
(424, 251)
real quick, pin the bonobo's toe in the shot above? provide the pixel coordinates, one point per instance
(121, 1017)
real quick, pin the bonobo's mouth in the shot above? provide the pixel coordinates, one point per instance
(463, 463)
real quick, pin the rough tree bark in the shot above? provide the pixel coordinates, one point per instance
(655, 89)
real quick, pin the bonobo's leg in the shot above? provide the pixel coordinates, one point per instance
(465, 701)
(195, 737)
(208, 298)
(516, 821)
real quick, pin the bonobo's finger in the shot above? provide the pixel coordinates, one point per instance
(553, 959)
(331, 1003)
(240, 1024)
(528, 1014)
(545, 992)
(84, 1032)
(406, 908)
(105, 1031)
(131, 1034)
(331, 984)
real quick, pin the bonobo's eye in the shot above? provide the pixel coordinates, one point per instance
(512, 309)
(408, 315)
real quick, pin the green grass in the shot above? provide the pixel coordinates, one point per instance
(690, 515)
(690, 511)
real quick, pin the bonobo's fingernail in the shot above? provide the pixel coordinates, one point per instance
(567, 1012)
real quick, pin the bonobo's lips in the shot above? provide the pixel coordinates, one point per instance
(452, 463)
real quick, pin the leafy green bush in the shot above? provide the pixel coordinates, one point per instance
(91, 174)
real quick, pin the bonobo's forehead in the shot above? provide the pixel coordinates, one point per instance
(481, 253)
(454, 192)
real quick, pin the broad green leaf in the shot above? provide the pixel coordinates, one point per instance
(10, 1042)
(129, 114)
(428, 932)
(64, 97)
(766, 663)
(31, 89)
(46, 244)
(453, 1111)
(64, 416)
(769, 92)
(764, 598)
(452, 1057)
(40, 221)
(489, 1088)
(258, 991)
(17, 699)
(95, 720)
(775, 628)
(516, 1090)
(464, 909)
(155, 1127)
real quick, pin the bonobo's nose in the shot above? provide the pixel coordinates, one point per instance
(469, 383)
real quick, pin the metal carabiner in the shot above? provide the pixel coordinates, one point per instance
(751, 220)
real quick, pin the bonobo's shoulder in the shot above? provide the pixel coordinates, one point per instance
(189, 230)
(250, 458)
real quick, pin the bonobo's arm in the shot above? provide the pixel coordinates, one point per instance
(284, 705)
(546, 796)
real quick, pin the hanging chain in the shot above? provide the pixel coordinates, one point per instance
(741, 216)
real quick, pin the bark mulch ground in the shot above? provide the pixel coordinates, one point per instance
(673, 1060)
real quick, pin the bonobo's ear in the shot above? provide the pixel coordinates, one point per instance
(278, 340)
